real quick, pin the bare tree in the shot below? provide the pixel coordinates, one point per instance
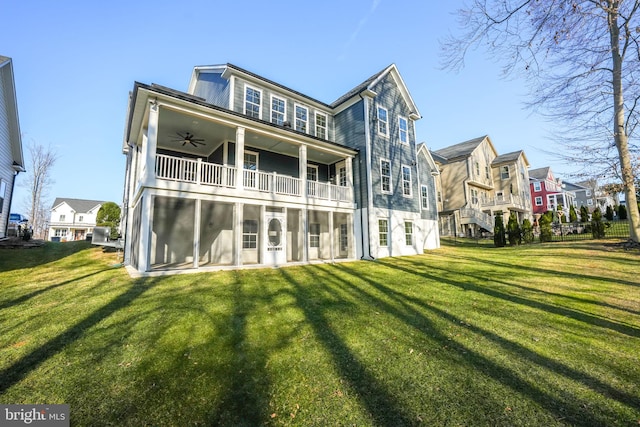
(37, 182)
(581, 59)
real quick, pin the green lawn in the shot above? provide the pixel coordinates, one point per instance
(469, 335)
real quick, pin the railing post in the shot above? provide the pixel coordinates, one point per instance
(274, 182)
(198, 170)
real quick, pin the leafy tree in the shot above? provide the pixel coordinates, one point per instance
(597, 226)
(573, 217)
(527, 231)
(545, 227)
(622, 212)
(581, 59)
(513, 230)
(499, 238)
(608, 213)
(109, 216)
(584, 214)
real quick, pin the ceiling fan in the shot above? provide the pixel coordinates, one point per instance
(188, 138)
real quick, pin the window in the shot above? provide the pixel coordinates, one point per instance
(406, 180)
(383, 122)
(424, 194)
(383, 232)
(60, 232)
(500, 196)
(252, 99)
(278, 110)
(302, 117)
(486, 172)
(504, 172)
(314, 235)
(342, 177)
(321, 125)
(403, 129)
(477, 165)
(538, 201)
(249, 234)
(344, 239)
(590, 202)
(80, 218)
(408, 233)
(440, 196)
(385, 175)
(588, 193)
(312, 173)
(62, 218)
(474, 196)
(536, 186)
(250, 166)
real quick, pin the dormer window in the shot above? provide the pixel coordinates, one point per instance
(302, 117)
(383, 121)
(321, 125)
(252, 102)
(278, 110)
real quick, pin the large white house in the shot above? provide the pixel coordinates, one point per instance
(242, 171)
(11, 157)
(72, 219)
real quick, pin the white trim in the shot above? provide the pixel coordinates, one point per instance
(537, 184)
(379, 121)
(538, 198)
(412, 235)
(244, 100)
(312, 167)
(326, 124)
(424, 197)
(390, 190)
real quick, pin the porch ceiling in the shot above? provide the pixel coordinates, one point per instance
(214, 134)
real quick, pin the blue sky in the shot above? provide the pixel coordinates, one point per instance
(75, 63)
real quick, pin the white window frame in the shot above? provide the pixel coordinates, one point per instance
(500, 196)
(59, 232)
(324, 128)
(63, 218)
(297, 120)
(283, 113)
(504, 169)
(538, 200)
(383, 232)
(537, 186)
(246, 101)
(403, 134)
(383, 124)
(314, 238)
(382, 176)
(342, 176)
(408, 236)
(406, 184)
(424, 195)
(590, 202)
(80, 218)
(315, 168)
(250, 238)
(251, 153)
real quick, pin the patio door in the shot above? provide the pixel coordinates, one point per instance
(275, 240)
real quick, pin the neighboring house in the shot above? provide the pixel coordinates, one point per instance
(599, 197)
(583, 196)
(476, 183)
(548, 194)
(11, 158)
(72, 219)
(243, 171)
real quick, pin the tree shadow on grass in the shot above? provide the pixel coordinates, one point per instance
(568, 408)
(21, 368)
(381, 405)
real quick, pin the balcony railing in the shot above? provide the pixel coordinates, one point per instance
(510, 199)
(204, 173)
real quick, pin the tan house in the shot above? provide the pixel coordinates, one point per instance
(475, 183)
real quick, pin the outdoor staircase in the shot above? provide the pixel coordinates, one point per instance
(475, 216)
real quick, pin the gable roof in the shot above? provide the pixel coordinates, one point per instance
(369, 83)
(433, 167)
(510, 158)
(78, 205)
(540, 173)
(463, 149)
(10, 101)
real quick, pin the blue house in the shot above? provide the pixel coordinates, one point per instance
(242, 171)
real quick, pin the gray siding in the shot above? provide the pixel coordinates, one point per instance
(6, 157)
(425, 178)
(213, 88)
(390, 148)
(349, 125)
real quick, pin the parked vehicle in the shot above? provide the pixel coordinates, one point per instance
(17, 222)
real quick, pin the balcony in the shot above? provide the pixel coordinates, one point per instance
(510, 201)
(195, 171)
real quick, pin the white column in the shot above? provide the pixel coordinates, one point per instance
(302, 165)
(196, 234)
(239, 157)
(331, 237)
(150, 144)
(351, 236)
(144, 248)
(238, 213)
(304, 224)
